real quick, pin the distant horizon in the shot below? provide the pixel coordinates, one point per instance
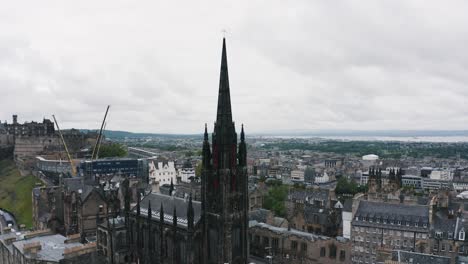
(337, 132)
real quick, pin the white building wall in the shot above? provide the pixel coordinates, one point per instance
(162, 172)
(186, 173)
(297, 175)
(324, 179)
(347, 218)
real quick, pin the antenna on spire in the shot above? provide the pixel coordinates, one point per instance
(224, 31)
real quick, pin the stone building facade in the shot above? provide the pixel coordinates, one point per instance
(285, 245)
(383, 226)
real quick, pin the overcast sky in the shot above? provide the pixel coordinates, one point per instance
(293, 65)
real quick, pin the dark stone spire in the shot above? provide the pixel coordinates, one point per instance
(161, 214)
(150, 239)
(149, 211)
(242, 136)
(161, 233)
(138, 204)
(224, 97)
(175, 255)
(224, 185)
(242, 156)
(174, 218)
(224, 135)
(206, 160)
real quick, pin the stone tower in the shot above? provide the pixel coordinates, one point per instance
(224, 185)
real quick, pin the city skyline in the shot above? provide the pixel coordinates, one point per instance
(305, 66)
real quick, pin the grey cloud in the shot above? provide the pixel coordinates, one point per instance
(295, 65)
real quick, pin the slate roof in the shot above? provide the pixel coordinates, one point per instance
(169, 202)
(52, 247)
(441, 222)
(418, 258)
(286, 232)
(310, 211)
(73, 184)
(376, 213)
(259, 215)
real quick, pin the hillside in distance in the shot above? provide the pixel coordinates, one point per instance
(116, 134)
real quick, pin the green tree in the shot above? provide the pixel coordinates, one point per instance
(112, 150)
(198, 169)
(345, 186)
(309, 174)
(275, 198)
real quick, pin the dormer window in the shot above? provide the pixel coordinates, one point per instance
(461, 235)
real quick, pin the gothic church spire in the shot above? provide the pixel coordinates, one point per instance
(224, 98)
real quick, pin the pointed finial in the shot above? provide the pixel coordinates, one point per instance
(174, 217)
(149, 209)
(138, 203)
(224, 113)
(242, 133)
(161, 214)
(206, 133)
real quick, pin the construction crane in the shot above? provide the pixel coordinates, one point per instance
(72, 165)
(100, 142)
(99, 138)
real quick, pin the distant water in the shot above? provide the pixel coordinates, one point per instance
(448, 139)
(440, 139)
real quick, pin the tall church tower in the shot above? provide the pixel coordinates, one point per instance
(224, 185)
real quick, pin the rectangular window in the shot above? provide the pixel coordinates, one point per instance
(303, 247)
(275, 243)
(294, 245)
(322, 251)
(342, 255)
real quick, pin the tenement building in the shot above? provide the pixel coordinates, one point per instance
(286, 245)
(381, 226)
(167, 229)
